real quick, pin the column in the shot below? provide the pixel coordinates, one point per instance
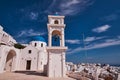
(49, 65)
(62, 21)
(63, 65)
(63, 42)
(60, 41)
(49, 41)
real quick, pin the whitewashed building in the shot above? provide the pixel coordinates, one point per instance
(36, 55)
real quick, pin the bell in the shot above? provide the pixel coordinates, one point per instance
(55, 39)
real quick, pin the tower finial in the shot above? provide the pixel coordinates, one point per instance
(56, 13)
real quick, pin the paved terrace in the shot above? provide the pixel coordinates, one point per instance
(26, 75)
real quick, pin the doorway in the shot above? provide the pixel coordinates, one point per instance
(10, 61)
(28, 65)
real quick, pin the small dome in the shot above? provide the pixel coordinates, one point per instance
(56, 14)
(38, 38)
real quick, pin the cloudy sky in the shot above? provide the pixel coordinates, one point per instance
(97, 21)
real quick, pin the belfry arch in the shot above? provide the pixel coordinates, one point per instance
(56, 22)
(56, 38)
(10, 61)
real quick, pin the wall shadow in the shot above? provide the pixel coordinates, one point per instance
(36, 73)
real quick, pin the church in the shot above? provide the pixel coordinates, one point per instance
(37, 55)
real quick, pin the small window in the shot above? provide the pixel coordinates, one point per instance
(35, 44)
(30, 51)
(41, 44)
(56, 22)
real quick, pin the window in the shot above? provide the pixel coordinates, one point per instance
(30, 51)
(41, 44)
(56, 22)
(35, 44)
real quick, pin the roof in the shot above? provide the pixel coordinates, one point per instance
(38, 38)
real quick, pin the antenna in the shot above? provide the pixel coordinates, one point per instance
(85, 47)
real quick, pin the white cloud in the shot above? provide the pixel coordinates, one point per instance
(76, 41)
(89, 39)
(33, 16)
(106, 43)
(70, 3)
(29, 32)
(110, 40)
(110, 17)
(23, 41)
(78, 49)
(69, 49)
(69, 7)
(118, 37)
(101, 28)
(72, 7)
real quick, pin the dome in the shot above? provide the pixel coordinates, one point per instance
(38, 38)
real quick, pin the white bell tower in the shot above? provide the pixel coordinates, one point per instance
(56, 53)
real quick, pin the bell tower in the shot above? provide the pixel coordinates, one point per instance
(56, 53)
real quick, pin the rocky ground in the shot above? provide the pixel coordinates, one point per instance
(27, 76)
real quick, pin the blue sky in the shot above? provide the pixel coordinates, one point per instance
(98, 20)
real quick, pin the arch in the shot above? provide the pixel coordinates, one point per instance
(56, 22)
(56, 37)
(10, 61)
(56, 32)
(41, 44)
(35, 44)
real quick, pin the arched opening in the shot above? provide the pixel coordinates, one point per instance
(56, 22)
(35, 44)
(10, 61)
(56, 37)
(41, 44)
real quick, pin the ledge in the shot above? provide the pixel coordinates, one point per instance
(60, 25)
(54, 16)
(57, 48)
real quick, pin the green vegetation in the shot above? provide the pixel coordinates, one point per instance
(19, 46)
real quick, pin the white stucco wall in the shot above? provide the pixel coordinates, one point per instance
(4, 50)
(38, 56)
(39, 44)
(56, 62)
(6, 38)
(25, 55)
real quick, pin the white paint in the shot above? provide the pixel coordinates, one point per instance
(50, 60)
